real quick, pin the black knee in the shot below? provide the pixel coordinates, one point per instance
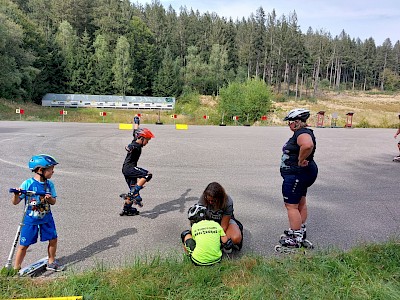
(148, 177)
(190, 245)
(184, 234)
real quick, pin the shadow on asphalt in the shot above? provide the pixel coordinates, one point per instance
(173, 205)
(97, 247)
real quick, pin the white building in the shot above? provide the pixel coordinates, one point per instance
(108, 101)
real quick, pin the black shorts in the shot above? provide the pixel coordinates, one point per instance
(295, 184)
(132, 175)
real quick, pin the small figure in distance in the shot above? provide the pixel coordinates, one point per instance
(397, 158)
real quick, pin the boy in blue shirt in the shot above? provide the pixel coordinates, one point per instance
(38, 217)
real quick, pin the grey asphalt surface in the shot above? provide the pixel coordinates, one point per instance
(354, 200)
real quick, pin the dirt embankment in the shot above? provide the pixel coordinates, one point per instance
(370, 110)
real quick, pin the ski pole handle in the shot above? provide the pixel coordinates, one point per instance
(28, 193)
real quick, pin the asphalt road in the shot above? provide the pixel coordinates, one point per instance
(354, 200)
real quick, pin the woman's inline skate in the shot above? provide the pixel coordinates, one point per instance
(292, 240)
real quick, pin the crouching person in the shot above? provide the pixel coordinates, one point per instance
(203, 242)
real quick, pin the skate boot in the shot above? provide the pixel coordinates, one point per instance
(128, 210)
(290, 243)
(396, 158)
(305, 243)
(289, 231)
(135, 196)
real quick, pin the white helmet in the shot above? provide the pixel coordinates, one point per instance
(197, 213)
(297, 114)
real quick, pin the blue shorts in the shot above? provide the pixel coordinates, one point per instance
(295, 184)
(29, 233)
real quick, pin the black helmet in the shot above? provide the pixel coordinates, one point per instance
(297, 114)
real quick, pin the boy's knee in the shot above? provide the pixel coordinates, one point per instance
(53, 242)
(23, 248)
(148, 177)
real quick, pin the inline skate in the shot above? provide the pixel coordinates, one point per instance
(128, 210)
(292, 241)
(133, 197)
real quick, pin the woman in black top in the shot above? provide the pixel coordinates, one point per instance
(299, 171)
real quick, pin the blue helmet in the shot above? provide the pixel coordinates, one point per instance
(42, 161)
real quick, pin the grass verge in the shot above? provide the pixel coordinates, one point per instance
(366, 272)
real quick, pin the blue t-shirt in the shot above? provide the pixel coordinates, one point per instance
(39, 211)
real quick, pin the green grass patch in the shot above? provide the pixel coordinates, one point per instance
(366, 272)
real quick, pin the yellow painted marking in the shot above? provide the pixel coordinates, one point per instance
(181, 126)
(56, 298)
(125, 126)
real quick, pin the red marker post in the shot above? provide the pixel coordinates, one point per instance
(235, 118)
(103, 114)
(320, 118)
(63, 113)
(174, 116)
(349, 120)
(20, 112)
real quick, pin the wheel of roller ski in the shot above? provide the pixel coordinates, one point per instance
(307, 244)
(285, 250)
(129, 214)
(283, 236)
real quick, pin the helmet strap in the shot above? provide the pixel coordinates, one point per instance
(41, 175)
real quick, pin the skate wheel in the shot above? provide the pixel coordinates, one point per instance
(307, 244)
(278, 248)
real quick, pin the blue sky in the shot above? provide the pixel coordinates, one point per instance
(363, 19)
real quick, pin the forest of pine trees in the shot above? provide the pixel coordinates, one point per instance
(120, 48)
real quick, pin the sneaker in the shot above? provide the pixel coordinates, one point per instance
(55, 266)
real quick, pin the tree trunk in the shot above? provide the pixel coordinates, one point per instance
(316, 77)
(297, 80)
(383, 73)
